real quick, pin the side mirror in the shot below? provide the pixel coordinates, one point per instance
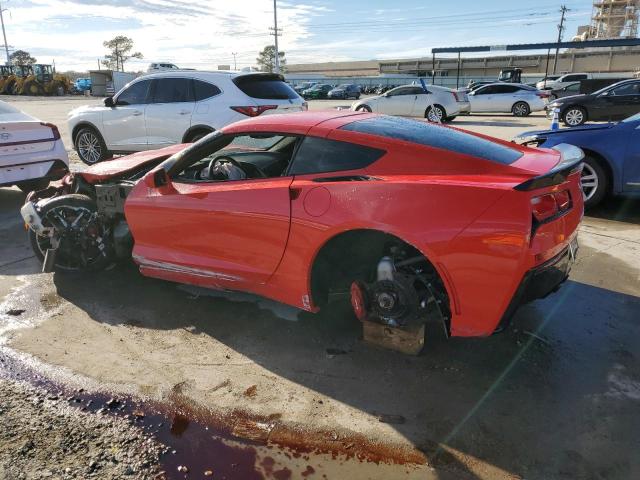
(157, 179)
(108, 102)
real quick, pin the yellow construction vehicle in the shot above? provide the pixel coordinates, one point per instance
(14, 82)
(5, 73)
(45, 81)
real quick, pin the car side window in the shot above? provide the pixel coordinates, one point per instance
(135, 94)
(485, 91)
(573, 88)
(319, 155)
(628, 89)
(204, 90)
(172, 90)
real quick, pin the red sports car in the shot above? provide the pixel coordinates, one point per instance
(407, 218)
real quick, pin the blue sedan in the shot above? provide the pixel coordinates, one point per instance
(612, 155)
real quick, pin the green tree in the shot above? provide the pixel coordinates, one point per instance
(119, 52)
(21, 57)
(267, 59)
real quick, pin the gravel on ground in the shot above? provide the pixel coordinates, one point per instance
(43, 437)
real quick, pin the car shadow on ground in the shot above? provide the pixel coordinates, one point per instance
(17, 254)
(552, 397)
(622, 208)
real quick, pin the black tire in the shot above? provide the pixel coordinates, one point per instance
(39, 244)
(363, 108)
(89, 140)
(521, 109)
(197, 135)
(449, 119)
(594, 195)
(32, 88)
(33, 185)
(574, 116)
(8, 88)
(439, 112)
(15, 89)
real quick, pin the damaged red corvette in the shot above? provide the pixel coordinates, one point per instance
(410, 220)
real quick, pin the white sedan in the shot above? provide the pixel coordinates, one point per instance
(516, 98)
(31, 151)
(437, 104)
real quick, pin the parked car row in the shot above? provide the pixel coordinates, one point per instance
(614, 102)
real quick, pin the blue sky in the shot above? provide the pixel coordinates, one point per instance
(205, 33)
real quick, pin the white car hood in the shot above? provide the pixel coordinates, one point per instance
(86, 109)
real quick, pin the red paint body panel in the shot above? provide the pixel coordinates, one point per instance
(263, 235)
(119, 166)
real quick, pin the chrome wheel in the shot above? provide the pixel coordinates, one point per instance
(589, 182)
(574, 117)
(435, 114)
(89, 147)
(521, 109)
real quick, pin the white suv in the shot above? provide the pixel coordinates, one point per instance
(166, 108)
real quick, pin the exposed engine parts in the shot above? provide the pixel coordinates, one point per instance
(74, 232)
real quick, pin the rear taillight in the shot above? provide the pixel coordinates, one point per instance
(455, 96)
(54, 129)
(253, 111)
(543, 94)
(550, 205)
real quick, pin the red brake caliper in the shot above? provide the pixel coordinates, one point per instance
(359, 300)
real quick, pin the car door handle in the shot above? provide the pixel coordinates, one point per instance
(136, 113)
(184, 112)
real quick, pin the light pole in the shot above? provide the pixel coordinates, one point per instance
(4, 35)
(275, 34)
(235, 65)
(563, 10)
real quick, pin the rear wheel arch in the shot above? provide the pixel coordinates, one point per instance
(333, 263)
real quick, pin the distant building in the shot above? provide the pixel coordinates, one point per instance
(598, 60)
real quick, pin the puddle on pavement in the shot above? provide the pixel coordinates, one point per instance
(234, 446)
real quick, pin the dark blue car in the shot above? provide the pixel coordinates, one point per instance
(612, 155)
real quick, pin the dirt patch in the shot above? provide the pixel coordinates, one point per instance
(41, 436)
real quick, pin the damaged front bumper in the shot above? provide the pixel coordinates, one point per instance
(541, 281)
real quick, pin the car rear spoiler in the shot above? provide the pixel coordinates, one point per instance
(570, 162)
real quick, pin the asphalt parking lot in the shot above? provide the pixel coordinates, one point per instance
(555, 396)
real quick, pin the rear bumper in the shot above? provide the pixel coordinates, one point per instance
(541, 281)
(49, 169)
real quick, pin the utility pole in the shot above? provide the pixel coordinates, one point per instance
(235, 65)
(563, 10)
(275, 35)
(4, 35)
